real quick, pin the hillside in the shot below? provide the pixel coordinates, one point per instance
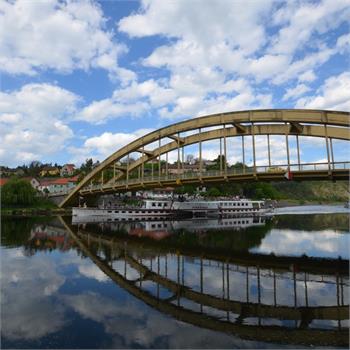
(321, 191)
(314, 190)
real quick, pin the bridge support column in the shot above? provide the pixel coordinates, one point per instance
(298, 151)
(200, 154)
(327, 147)
(142, 165)
(225, 151)
(127, 170)
(243, 155)
(332, 154)
(268, 149)
(287, 146)
(166, 165)
(220, 155)
(183, 161)
(178, 155)
(253, 141)
(159, 162)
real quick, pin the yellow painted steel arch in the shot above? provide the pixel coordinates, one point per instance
(317, 123)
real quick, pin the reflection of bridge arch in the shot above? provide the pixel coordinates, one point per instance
(302, 316)
(326, 124)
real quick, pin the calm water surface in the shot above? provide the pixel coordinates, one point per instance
(233, 283)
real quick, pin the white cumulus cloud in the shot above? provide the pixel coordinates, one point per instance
(333, 94)
(59, 35)
(34, 122)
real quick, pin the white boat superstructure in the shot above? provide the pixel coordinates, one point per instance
(198, 208)
(222, 207)
(150, 209)
(246, 206)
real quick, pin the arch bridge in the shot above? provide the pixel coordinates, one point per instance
(145, 162)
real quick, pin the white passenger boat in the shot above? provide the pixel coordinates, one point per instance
(156, 208)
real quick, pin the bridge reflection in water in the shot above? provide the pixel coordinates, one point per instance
(259, 297)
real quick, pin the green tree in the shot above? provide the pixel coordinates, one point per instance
(17, 192)
(87, 166)
(213, 192)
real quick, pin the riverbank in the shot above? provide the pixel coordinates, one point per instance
(297, 203)
(24, 212)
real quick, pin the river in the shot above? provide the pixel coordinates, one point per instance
(280, 281)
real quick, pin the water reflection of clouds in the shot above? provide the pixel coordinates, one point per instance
(28, 308)
(133, 324)
(36, 307)
(326, 243)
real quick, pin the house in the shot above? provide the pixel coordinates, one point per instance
(35, 183)
(3, 181)
(32, 180)
(49, 171)
(161, 193)
(67, 170)
(58, 185)
(184, 168)
(19, 172)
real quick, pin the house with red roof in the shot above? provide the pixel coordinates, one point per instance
(58, 184)
(3, 181)
(67, 170)
(32, 180)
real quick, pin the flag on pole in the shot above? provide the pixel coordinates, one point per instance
(288, 175)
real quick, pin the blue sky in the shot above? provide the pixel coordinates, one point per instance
(81, 79)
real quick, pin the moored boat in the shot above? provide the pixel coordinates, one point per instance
(160, 208)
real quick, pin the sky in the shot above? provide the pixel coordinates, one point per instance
(80, 79)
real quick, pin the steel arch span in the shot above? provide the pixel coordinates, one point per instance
(120, 172)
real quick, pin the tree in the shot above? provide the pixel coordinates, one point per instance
(190, 159)
(87, 166)
(17, 192)
(213, 192)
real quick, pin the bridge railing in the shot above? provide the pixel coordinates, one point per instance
(280, 168)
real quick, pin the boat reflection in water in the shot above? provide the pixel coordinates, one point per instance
(170, 266)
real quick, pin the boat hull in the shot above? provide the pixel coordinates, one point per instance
(126, 213)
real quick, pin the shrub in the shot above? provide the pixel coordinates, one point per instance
(17, 192)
